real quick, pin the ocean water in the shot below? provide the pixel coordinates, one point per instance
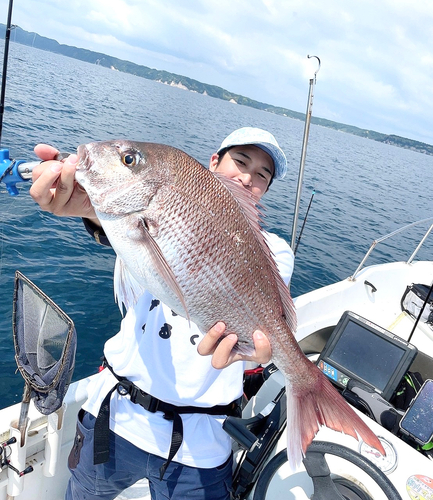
(364, 189)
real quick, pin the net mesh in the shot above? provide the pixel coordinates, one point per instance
(45, 343)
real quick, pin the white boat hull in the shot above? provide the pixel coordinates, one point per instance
(318, 312)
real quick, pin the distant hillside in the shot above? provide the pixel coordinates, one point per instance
(34, 40)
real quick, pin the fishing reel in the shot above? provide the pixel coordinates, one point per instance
(4, 458)
(13, 171)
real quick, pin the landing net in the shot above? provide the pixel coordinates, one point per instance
(45, 343)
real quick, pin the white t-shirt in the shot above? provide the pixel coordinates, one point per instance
(157, 350)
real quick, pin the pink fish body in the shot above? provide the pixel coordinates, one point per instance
(193, 239)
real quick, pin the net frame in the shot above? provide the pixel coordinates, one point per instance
(46, 385)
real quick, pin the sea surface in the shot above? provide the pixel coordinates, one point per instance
(363, 189)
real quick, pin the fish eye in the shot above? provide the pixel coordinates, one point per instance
(130, 159)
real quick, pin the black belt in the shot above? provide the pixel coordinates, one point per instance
(101, 450)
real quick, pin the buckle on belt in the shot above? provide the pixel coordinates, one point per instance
(138, 396)
(145, 400)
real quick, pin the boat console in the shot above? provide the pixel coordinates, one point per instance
(369, 366)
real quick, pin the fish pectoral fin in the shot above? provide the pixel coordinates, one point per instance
(127, 289)
(162, 266)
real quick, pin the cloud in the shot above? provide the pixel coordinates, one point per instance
(376, 55)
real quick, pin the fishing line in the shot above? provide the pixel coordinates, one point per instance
(7, 212)
(1, 248)
(303, 224)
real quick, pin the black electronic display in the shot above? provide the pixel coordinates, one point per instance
(362, 350)
(417, 422)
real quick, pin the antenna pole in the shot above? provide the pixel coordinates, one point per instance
(303, 155)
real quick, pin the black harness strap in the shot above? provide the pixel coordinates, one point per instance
(101, 451)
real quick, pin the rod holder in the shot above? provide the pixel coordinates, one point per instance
(17, 459)
(53, 442)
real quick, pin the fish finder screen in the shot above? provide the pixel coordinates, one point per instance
(361, 350)
(367, 355)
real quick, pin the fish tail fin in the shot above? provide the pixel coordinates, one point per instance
(322, 405)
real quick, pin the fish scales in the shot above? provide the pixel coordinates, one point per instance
(193, 239)
(225, 257)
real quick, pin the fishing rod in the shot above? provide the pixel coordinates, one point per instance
(426, 301)
(303, 224)
(11, 171)
(5, 66)
(304, 153)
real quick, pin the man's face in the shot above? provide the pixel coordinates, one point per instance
(248, 165)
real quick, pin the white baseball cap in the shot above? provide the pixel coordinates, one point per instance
(263, 140)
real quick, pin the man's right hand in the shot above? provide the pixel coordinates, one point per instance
(54, 186)
(221, 348)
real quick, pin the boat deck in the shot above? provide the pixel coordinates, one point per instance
(139, 490)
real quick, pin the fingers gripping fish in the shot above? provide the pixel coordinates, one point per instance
(192, 238)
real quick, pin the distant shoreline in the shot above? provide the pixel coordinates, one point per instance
(34, 40)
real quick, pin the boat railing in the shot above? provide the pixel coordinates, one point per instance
(383, 238)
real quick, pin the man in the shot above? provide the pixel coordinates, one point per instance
(166, 357)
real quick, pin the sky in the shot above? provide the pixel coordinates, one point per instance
(376, 55)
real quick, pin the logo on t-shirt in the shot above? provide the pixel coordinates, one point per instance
(193, 339)
(154, 303)
(165, 332)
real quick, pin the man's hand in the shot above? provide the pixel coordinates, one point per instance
(222, 352)
(54, 187)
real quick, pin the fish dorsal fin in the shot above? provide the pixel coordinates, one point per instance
(288, 305)
(128, 289)
(250, 207)
(253, 211)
